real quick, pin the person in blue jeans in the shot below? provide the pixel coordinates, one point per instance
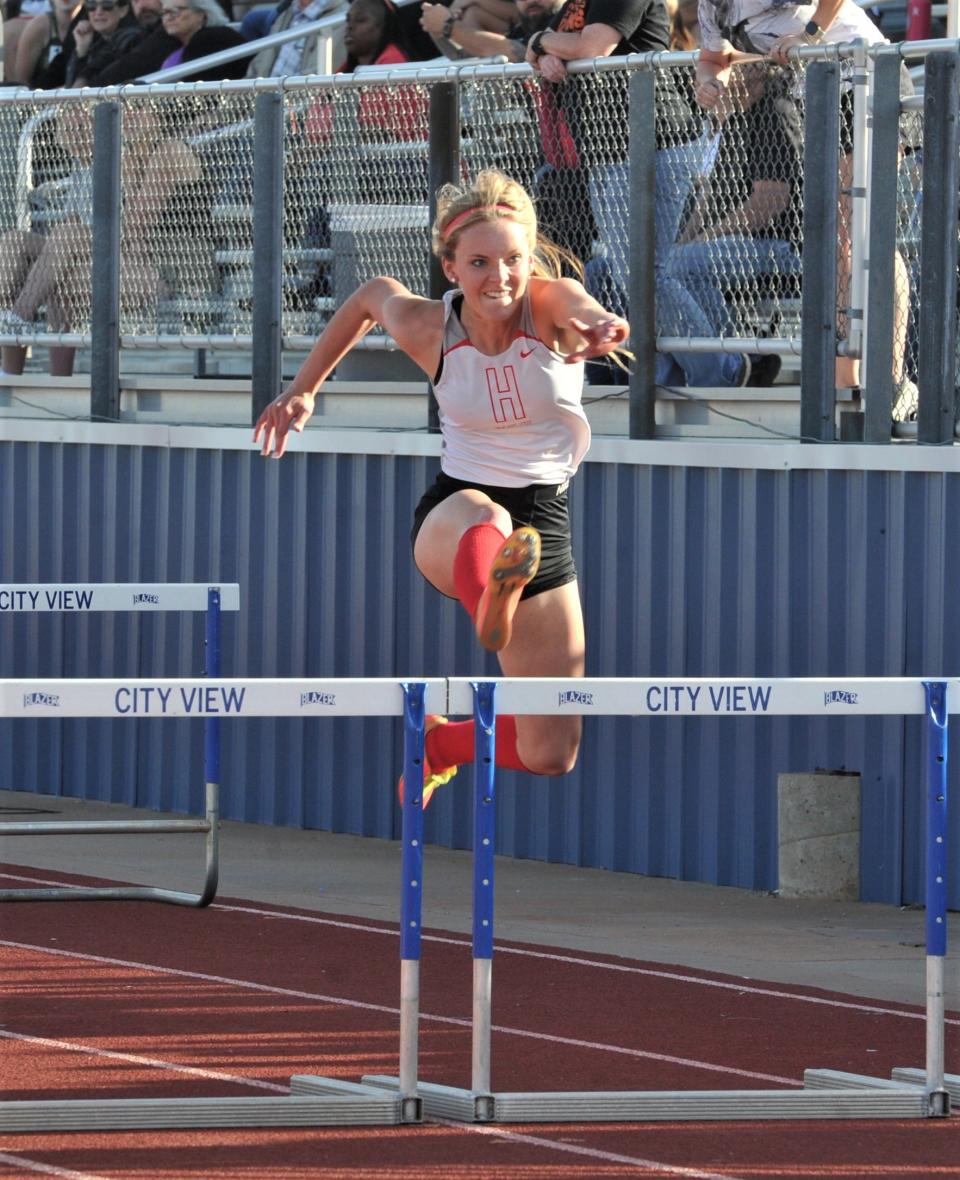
(599, 28)
(744, 230)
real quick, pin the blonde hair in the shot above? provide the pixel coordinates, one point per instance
(494, 196)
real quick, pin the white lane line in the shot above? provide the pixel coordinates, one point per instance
(137, 1059)
(572, 960)
(426, 1016)
(20, 1161)
(596, 1153)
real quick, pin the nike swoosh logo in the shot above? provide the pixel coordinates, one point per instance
(524, 355)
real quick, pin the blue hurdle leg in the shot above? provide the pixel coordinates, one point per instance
(411, 894)
(936, 894)
(484, 715)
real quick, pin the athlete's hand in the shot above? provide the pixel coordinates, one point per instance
(600, 338)
(290, 411)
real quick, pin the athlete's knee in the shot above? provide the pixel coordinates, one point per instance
(495, 514)
(551, 758)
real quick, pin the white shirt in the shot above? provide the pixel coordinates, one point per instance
(765, 22)
(512, 419)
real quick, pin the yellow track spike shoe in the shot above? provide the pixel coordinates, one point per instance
(432, 778)
(514, 567)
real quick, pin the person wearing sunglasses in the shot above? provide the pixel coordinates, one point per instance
(109, 30)
(149, 53)
(201, 28)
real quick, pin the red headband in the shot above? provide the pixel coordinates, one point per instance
(462, 217)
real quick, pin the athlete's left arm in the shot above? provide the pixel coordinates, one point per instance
(583, 328)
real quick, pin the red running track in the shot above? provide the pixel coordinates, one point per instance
(125, 999)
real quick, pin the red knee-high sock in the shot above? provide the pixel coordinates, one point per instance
(454, 744)
(471, 564)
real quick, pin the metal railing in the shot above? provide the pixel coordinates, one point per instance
(206, 208)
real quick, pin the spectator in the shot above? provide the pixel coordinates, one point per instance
(498, 17)
(148, 54)
(729, 27)
(449, 25)
(293, 57)
(17, 16)
(44, 39)
(601, 28)
(563, 204)
(201, 28)
(53, 270)
(109, 31)
(373, 37)
(746, 223)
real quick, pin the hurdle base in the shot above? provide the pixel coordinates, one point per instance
(313, 1102)
(918, 1077)
(408, 1108)
(621, 1106)
(938, 1101)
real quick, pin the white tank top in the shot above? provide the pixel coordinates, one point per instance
(512, 419)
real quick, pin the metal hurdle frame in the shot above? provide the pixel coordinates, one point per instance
(381, 1099)
(86, 598)
(827, 1094)
(313, 1101)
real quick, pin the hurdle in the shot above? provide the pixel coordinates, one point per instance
(383, 1099)
(826, 1094)
(313, 1101)
(141, 598)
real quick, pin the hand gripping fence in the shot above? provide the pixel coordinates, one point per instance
(141, 598)
(319, 1101)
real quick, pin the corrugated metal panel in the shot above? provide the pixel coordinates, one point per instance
(685, 571)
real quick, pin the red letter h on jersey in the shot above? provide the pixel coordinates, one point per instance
(504, 394)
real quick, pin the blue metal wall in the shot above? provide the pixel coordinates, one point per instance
(726, 571)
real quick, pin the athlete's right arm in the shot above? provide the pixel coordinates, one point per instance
(380, 301)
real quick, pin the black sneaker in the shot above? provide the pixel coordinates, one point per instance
(764, 370)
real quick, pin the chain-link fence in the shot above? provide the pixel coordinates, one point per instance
(724, 272)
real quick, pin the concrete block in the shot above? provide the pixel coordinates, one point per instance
(819, 835)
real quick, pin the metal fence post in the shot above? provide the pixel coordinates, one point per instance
(444, 168)
(818, 393)
(882, 194)
(938, 251)
(642, 294)
(267, 250)
(105, 265)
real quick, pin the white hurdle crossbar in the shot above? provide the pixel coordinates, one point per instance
(313, 1101)
(826, 1093)
(151, 597)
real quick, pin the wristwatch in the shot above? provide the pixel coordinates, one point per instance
(448, 25)
(535, 43)
(812, 33)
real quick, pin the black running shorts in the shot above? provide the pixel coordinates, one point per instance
(542, 506)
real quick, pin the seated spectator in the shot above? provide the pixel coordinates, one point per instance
(372, 37)
(746, 222)
(293, 57)
(52, 270)
(109, 31)
(17, 15)
(201, 28)
(149, 53)
(44, 39)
